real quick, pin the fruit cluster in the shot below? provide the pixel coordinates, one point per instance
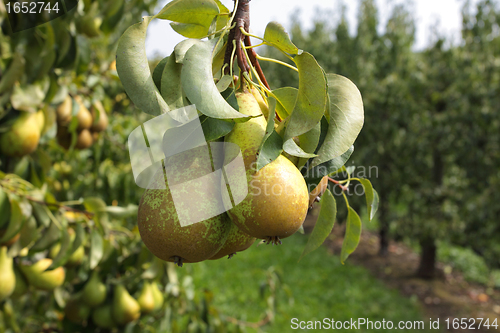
(88, 123)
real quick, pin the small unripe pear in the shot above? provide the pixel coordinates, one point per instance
(94, 292)
(38, 277)
(125, 308)
(64, 110)
(103, 317)
(7, 275)
(23, 137)
(157, 295)
(99, 117)
(146, 298)
(84, 117)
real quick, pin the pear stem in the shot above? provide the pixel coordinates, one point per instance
(241, 20)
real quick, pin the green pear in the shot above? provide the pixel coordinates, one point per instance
(94, 292)
(236, 241)
(22, 138)
(7, 275)
(158, 219)
(125, 308)
(146, 298)
(76, 310)
(103, 317)
(277, 201)
(157, 295)
(21, 284)
(40, 278)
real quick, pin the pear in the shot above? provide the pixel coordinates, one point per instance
(21, 284)
(40, 120)
(98, 124)
(146, 298)
(38, 277)
(125, 308)
(85, 140)
(84, 117)
(94, 292)
(23, 137)
(64, 111)
(103, 317)
(7, 275)
(264, 107)
(158, 220)
(277, 201)
(157, 296)
(236, 241)
(76, 310)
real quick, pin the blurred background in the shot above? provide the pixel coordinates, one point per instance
(429, 74)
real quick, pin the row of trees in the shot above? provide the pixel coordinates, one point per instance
(431, 126)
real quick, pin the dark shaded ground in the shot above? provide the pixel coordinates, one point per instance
(446, 296)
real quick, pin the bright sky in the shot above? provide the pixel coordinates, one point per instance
(162, 39)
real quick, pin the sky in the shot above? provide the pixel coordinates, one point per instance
(161, 39)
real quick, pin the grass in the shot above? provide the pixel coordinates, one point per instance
(315, 288)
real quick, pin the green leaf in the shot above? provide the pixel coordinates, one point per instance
(64, 251)
(96, 248)
(16, 222)
(181, 49)
(190, 30)
(190, 12)
(286, 97)
(171, 87)
(324, 224)
(276, 36)
(291, 148)
(133, 69)
(28, 97)
(346, 118)
(308, 142)
(13, 73)
(272, 143)
(4, 208)
(158, 72)
(122, 212)
(199, 86)
(214, 129)
(371, 195)
(50, 236)
(29, 233)
(98, 207)
(41, 213)
(314, 174)
(352, 235)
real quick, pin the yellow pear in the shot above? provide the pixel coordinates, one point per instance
(278, 199)
(103, 317)
(236, 241)
(23, 137)
(64, 111)
(40, 278)
(158, 219)
(125, 308)
(146, 298)
(94, 292)
(76, 310)
(157, 295)
(99, 117)
(84, 117)
(40, 119)
(7, 275)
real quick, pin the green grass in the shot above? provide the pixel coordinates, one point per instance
(315, 288)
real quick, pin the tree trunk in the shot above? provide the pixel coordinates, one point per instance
(427, 267)
(384, 230)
